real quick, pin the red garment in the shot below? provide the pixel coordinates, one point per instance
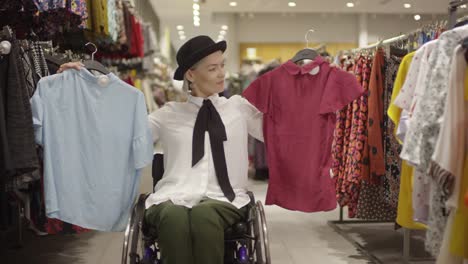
(299, 119)
(136, 42)
(350, 138)
(375, 151)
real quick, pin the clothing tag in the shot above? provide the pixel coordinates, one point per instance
(103, 80)
(315, 70)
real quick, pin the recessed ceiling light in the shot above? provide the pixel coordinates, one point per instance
(222, 32)
(233, 3)
(417, 17)
(196, 23)
(350, 4)
(196, 18)
(180, 27)
(292, 4)
(407, 5)
(196, 6)
(183, 37)
(196, 12)
(224, 27)
(463, 6)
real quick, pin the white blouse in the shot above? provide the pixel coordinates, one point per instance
(172, 125)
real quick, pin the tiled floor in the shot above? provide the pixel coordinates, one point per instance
(296, 238)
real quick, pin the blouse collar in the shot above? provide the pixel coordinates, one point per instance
(199, 100)
(295, 69)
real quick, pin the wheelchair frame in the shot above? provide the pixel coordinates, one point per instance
(250, 247)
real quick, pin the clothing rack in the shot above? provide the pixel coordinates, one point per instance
(453, 7)
(384, 42)
(407, 258)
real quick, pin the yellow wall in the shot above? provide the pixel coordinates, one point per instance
(285, 51)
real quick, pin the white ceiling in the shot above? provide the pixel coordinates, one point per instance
(180, 12)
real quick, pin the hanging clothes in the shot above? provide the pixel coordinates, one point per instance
(318, 92)
(372, 204)
(391, 146)
(449, 160)
(99, 191)
(407, 99)
(405, 202)
(350, 139)
(19, 151)
(376, 119)
(425, 125)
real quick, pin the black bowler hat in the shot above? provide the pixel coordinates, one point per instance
(193, 51)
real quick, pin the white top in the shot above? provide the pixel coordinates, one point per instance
(185, 185)
(452, 144)
(419, 67)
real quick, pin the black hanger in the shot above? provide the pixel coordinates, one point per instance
(95, 65)
(307, 53)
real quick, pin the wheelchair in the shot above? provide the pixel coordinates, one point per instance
(245, 242)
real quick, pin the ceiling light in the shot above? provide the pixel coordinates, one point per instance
(181, 33)
(350, 4)
(196, 12)
(292, 4)
(196, 23)
(196, 6)
(463, 6)
(224, 27)
(233, 3)
(407, 5)
(196, 18)
(222, 32)
(417, 17)
(183, 37)
(180, 27)
(196, 1)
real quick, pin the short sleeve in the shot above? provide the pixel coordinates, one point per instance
(253, 117)
(259, 93)
(406, 94)
(37, 108)
(142, 145)
(340, 89)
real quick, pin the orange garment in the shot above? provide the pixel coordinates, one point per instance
(376, 118)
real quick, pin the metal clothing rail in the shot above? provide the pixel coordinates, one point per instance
(384, 42)
(407, 258)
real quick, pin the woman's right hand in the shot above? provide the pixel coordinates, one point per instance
(70, 65)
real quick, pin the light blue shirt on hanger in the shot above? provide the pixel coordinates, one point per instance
(96, 138)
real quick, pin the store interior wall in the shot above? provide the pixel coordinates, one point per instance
(336, 30)
(276, 33)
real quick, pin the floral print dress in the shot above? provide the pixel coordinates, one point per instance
(350, 139)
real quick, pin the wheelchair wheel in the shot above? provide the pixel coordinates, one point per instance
(133, 247)
(260, 233)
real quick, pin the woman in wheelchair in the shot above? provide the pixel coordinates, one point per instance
(204, 187)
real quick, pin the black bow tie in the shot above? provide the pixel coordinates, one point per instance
(208, 119)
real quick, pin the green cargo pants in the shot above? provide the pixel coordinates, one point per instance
(196, 235)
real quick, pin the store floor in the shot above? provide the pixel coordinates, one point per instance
(296, 238)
